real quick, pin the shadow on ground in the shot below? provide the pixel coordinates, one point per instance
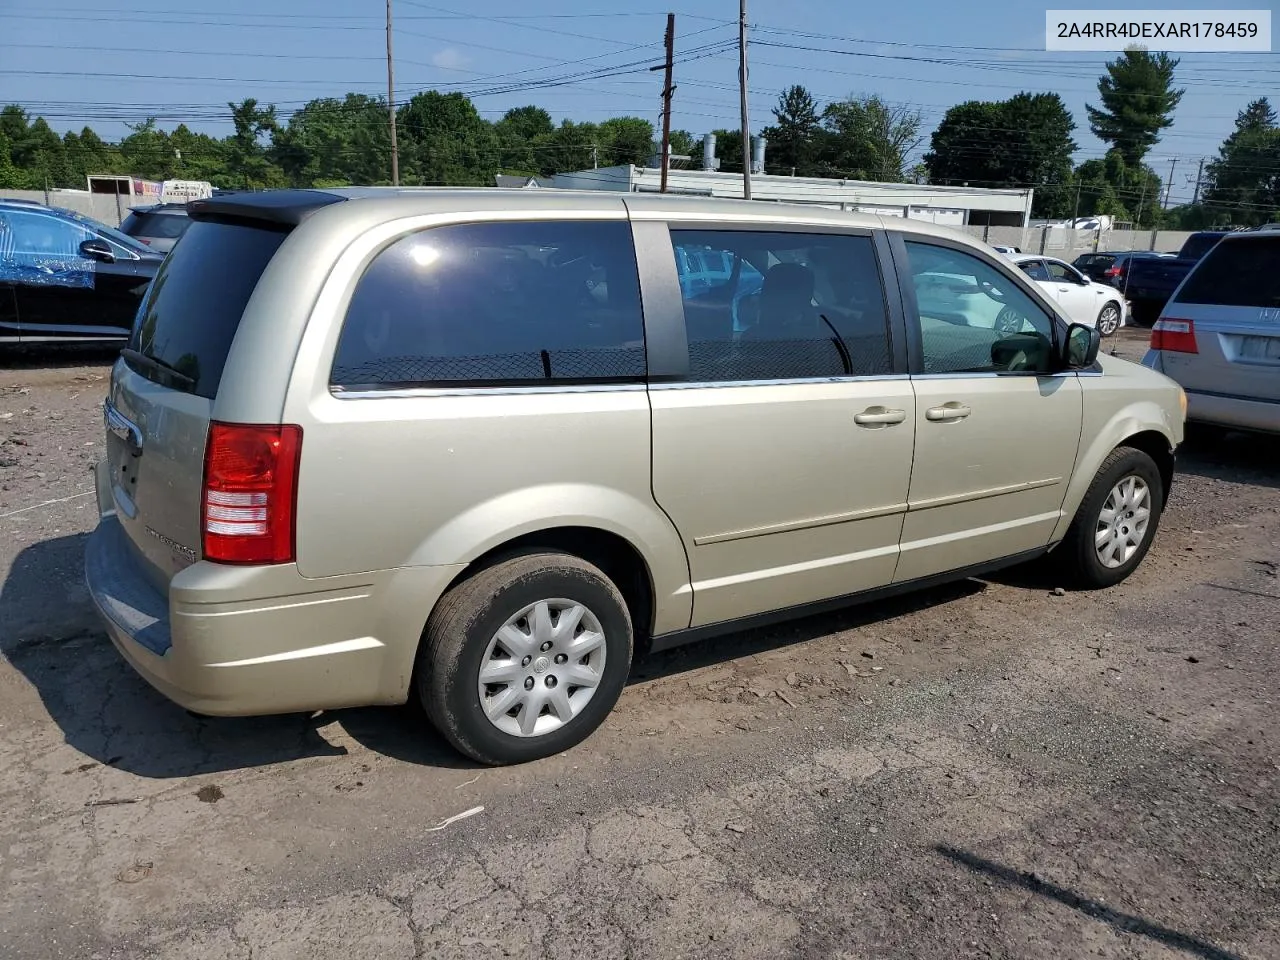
(50, 634)
(1227, 455)
(1124, 922)
(54, 356)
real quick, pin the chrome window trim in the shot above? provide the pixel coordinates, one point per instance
(497, 391)
(784, 382)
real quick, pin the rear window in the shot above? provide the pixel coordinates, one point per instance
(1241, 273)
(1198, 244)
(192, 311)
(159, 225)
(490, 304)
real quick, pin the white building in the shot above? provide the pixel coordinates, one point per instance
(952, 206)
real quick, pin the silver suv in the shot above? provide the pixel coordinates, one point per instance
(479, 447)
(1219, 334)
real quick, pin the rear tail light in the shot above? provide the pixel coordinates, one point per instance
(1113, 271)
(248, 503)
(1176, 336)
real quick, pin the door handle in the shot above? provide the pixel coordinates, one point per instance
(879, 416)
(1065, 289)
(948, 411)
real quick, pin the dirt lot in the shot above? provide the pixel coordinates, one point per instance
(987, 770)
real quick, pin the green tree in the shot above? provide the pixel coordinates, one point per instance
(245, 152)
(1138, 100)
(867, 139)
(795, 134)
(1024, 141)
(10, 177)
(1244, 179)
(627, 140)
(335, 142)
(446, 141)
(146, 151)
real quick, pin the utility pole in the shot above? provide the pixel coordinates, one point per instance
(742, 88)
(1195, 198)
(667, 91)
(391, 105)
(1168, 190)
(1076, 214)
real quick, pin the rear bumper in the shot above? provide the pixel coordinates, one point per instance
(243, 641)
(1239, 413)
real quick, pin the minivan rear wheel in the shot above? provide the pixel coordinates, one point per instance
(526, 658)
(1117, 520)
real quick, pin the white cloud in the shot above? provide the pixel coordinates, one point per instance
(449, 59)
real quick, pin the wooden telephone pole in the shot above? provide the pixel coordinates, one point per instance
(667, 91)
(391, 105)
(742, 93)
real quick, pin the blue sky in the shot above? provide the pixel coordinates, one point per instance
(128, 59)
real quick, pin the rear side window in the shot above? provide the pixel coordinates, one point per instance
(494, 304)
(159, 225)
(781, 305)
(192, 311)
(1198, 244)
(1240, 273)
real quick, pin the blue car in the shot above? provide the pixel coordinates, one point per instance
(65, 277)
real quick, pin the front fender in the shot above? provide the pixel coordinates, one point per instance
(498, 520)
(1102, 434)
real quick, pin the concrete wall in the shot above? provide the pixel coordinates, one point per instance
(100, 207)
(1069, 244)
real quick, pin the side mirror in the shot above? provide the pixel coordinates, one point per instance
(97, 250)
(1083, 344)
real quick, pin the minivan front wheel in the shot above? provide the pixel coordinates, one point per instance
(526, 658)
(1117, 520)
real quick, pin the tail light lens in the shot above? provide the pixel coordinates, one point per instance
(1176, 336)
(1113, 271)
(249, 500)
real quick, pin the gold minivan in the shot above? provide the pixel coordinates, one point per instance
(479, 447)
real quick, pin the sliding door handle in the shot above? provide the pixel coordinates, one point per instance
(879, 416)
(948, 411)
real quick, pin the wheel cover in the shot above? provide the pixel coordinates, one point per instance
(542, 668)
(1109, 322)
(1123, 522)
(1008, 321)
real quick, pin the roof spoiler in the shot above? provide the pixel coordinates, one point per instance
(283, 207)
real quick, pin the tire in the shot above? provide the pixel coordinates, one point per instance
(1080, 554)
(462, 635)
(1109, 320)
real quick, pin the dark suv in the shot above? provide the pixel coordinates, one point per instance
(158, 226)
(1111, 266)
(64, 277)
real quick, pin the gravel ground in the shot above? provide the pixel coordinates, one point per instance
(986, 770)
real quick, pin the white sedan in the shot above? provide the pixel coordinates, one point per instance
(1093, 304)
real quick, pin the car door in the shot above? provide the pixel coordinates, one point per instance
(1076, 294)
(996, 431)
(781, 450)
(8, 274)
(119, 286)
(51, 279)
